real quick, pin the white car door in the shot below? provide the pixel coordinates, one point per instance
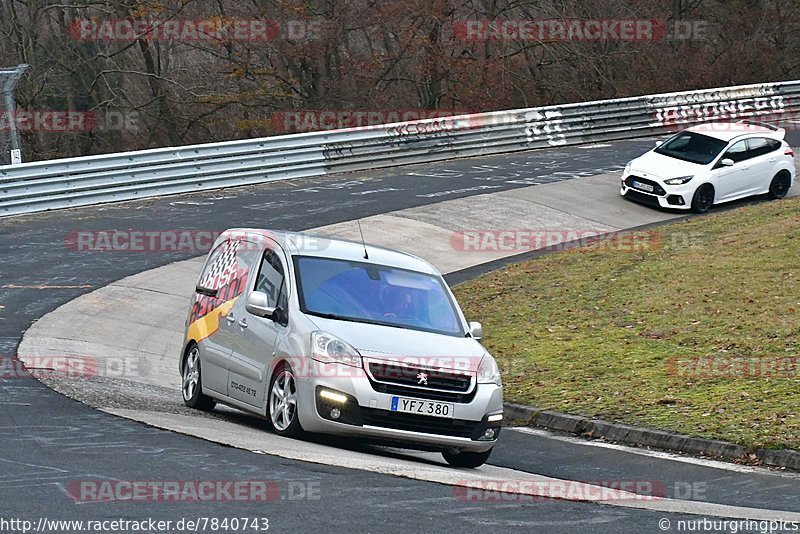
(763, 157)
(729, 182)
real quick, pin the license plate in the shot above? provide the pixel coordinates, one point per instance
(643, 187)
(422, 407)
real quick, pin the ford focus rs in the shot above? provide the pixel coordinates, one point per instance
(321, 335)
(710, 164)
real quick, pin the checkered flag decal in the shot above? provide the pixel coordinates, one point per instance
(223, 269)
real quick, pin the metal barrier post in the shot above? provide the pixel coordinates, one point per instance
(12, 76)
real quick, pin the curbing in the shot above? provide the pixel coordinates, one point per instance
(645, 437)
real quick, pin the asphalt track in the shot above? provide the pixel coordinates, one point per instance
(49, 440)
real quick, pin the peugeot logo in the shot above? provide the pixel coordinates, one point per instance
(422, 379)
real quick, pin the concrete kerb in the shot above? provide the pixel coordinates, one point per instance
(520, 415)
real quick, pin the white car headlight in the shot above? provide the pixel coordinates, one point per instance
(627, 169)
(488, 372)
(680, 180)
(328, 348)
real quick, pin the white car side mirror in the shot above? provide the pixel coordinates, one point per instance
(727, 162)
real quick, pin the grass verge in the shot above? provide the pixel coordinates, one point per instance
(696, 331)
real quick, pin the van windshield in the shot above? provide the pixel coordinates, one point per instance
(376, 294)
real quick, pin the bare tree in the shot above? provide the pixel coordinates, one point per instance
(362, 55)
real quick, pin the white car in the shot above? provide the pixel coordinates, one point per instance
(710, 164)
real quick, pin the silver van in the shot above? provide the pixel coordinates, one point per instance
(331, 336)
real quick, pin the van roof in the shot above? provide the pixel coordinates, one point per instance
(307, 244)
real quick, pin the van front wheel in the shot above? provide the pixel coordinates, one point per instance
(465, 458)
(282, 403)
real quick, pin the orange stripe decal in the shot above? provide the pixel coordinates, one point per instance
(209, 323)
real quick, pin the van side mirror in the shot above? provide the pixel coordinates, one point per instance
(659, 142)
(476, 330)
(258, 305)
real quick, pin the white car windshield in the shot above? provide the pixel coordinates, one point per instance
(375, 294)
(692, 147)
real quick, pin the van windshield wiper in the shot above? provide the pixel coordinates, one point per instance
(326, 315)
(362, 320)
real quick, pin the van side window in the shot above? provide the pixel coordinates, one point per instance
(229, 271)
(213, 266)
(271, 279)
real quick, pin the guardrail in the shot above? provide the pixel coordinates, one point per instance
(63, 183)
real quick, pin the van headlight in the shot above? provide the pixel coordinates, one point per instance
(680, 180)
(488, 372)
(327, 348)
